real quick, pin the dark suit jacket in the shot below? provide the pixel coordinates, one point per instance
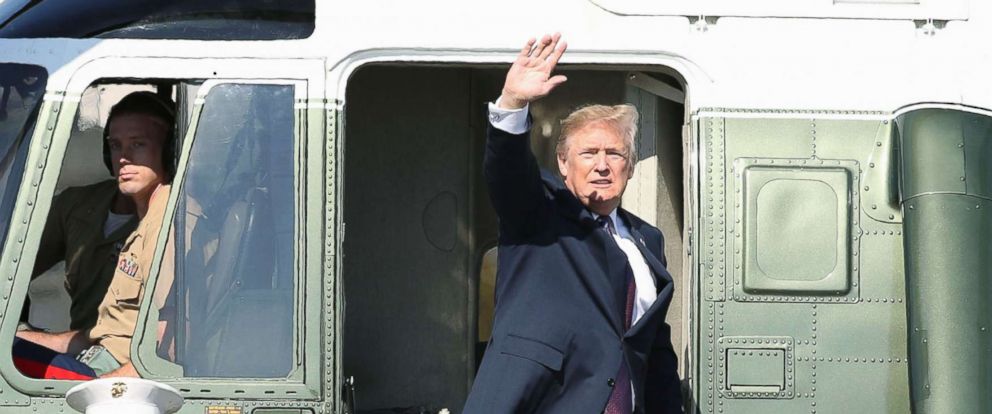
(558, 337)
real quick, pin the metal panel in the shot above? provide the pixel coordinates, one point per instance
(756, 367)
(796, 227)
(714, 211)
(770, 138)
(948, 237)
(758, 370)
(825, 328)
(931, 139)
(976, 130)
(862, 385)
(947, 264)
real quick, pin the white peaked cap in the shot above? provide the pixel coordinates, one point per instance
(124, 396)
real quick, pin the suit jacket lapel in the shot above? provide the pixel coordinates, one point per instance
(613, 263)
(606, 255)
(662, 279)
(658, 270)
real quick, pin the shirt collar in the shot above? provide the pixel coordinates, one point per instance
(619, 224)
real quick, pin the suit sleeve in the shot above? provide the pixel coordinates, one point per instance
(663, 388)
(514, 181)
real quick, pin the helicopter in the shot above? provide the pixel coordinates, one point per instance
(819, 168)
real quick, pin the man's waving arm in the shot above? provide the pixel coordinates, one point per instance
(511, 171)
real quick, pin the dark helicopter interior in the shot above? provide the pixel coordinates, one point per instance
(419, 250)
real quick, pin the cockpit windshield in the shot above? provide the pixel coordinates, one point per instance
(158, 19)
(21, 90)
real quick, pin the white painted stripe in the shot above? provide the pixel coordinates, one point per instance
(797, 115)
(954, 107)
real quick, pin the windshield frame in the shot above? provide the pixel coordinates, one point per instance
(17, 144)
(48, 148)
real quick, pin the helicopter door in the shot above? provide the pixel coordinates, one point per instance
(800, 263)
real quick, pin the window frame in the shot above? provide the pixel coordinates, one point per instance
(45, 158)
(145, 342)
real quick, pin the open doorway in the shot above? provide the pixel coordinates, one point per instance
(418, 260)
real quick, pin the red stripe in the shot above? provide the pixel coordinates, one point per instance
(35, 369)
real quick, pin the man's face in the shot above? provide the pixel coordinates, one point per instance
(595, 167)
(135, 142)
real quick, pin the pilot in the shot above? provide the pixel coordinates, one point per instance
(87, 227)
(139, 142)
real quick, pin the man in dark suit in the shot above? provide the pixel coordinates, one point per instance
(582, 290)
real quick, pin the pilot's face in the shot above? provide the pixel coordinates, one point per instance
(595, 167)
(136, 142)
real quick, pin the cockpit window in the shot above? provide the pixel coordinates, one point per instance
(229, 310)
(21, 89)
(158, 19)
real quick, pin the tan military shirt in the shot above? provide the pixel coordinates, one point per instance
(118, 313)
(74, 233)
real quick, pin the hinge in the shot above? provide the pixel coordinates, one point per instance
(348, 394)
(689, 239)
(702, 23)
(928, 26)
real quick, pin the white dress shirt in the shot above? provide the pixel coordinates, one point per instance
(646, 292)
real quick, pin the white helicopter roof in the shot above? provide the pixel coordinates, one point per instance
(842, 54)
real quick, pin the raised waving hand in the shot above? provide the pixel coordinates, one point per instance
(529, 78)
